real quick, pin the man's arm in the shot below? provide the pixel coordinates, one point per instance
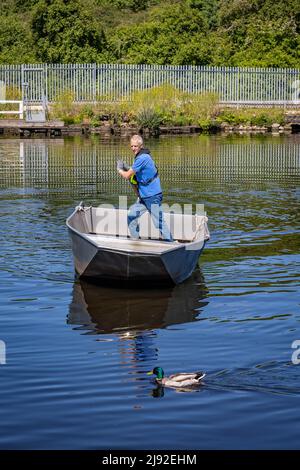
(127, 174)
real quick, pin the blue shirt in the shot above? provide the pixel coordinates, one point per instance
(145, 169)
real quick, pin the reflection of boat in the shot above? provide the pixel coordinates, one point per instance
(103, 249)
(107, 310)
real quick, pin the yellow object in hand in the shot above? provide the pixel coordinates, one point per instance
(133, 180)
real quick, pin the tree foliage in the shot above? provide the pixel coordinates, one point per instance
(180, 32)
(165, 38)
(16, 43)
(64, 31)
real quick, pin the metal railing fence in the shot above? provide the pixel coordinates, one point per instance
(115, 82)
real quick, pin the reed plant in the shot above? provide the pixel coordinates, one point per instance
(169, 105)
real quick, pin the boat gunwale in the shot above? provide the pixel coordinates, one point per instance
(85, 236)
(122, 251)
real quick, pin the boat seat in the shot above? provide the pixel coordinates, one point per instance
(131, 245)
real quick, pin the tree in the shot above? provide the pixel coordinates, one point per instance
(164, 39)
(260, 33)
(134, 5)
(269, 44)
(16, 45)
(65, 31)
(209, 9)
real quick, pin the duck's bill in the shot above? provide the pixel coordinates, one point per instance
(150, 373)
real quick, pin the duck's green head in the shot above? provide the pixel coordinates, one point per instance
(158, 371)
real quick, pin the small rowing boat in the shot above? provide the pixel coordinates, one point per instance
(102, 247)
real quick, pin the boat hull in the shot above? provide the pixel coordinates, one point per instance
(110, 265)
(112, 256)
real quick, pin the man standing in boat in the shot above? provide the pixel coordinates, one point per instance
(145, 174)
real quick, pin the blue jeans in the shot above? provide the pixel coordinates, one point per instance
(153, 205)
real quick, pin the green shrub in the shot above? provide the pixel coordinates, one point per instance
(206, 124)
(87, 111)
(69, 120)
(160, 105)
(148, 118)
(64, 107)
(251, 116)
(173, 106)
(226, 116)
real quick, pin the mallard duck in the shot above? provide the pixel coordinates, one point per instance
(180, 380)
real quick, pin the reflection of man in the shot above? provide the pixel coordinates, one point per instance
(149, 190)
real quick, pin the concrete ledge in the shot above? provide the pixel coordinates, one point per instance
(20, 124)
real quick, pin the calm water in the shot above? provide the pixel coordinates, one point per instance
(77, 354)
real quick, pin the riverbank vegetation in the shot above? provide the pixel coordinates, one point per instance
(164, 105)
(256, 33)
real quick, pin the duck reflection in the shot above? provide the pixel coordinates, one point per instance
(103, 310)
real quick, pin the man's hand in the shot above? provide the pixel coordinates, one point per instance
(124, 170)
(127, 174)
(121, 165)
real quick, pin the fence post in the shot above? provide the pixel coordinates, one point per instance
(21, 110)
(45, 66)
(94, 82)
(22, 81)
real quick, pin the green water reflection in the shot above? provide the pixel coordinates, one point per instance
(248, 184)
